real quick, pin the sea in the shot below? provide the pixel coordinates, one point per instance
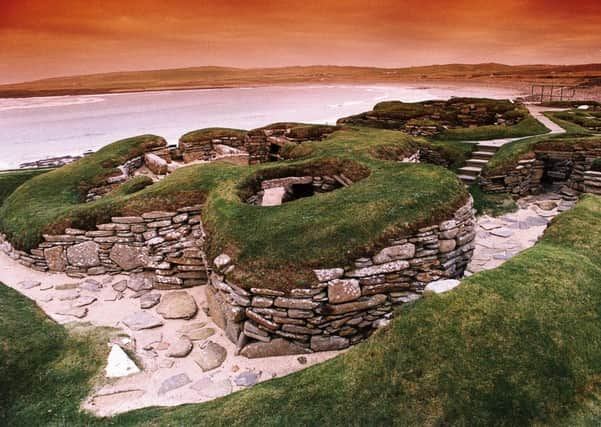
(37, 128)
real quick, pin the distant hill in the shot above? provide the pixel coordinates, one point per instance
(216, 77)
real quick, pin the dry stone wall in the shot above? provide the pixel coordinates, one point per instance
(346, 304)
(569, 165)
(168, 245)
(205, 148)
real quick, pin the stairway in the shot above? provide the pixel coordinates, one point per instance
(480, 157)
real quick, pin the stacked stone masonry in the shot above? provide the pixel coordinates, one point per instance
(344, 305)
(166, 246)
(206, 148)
(568, 166)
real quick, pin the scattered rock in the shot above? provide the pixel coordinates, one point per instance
(181, 348)
(191, 326)
(246, 379)
(142, 320)
(120, 286)
(177, 305)
(83, 301)
(147, 339)
(200, 334)
(66, 286)
(212, 389)
(546, 205)
(119, 364)
(441, 286)
(221, 261)
(209, 356)
(46, 298)
(92, 287)
(149, 300)
(302, 360)
(156, 164)
(79, 312)
(166, 363)
(502, 232)
(29, 284)
(174, 382)
(46, 287)
(140, 282)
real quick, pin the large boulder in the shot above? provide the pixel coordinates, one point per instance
(129, 257)
(84, 255)
(55, 258)
(177, 305)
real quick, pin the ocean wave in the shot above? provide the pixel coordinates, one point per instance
(8, 104)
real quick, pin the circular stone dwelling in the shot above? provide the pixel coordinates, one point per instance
(306, 238)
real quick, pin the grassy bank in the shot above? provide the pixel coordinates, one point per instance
(45, 369)
(11, 180)
(511, 346)
(526, 127)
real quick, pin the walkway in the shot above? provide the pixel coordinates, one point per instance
(486, 149)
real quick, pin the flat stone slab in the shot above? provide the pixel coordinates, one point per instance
(501, 232)
(246, 379)
(148, 338)
(120, 286)
(68, 296)
(177, 305)
(207, 387)
(442, 286)
(29, 284)
(209, 356)
(174, 382)
(78, 312)
(142, 320)
(83, 301)
(273, 196)
(181, 348)
(200, 334)
(149, 300)
(119, 364)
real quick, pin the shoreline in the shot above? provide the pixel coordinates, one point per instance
(24, 94)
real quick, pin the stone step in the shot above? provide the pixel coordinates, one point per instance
(468, 179)
(476, 162)
(470, 170)
(488, 148)
(482, 154)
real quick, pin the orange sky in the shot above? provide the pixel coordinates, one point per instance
(42, 38)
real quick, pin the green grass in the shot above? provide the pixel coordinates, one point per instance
(526, 127)
(45, 369)
(512, 346)
(577, 121)
(280, 245)
(456, 152)
(491, 204)
(11, 180)
(210, 133)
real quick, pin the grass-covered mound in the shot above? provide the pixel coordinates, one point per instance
(271, 246)
(210, 133)
(455, 119)
(583, 121)
(512, 346)
(53, 201)
(11, 180)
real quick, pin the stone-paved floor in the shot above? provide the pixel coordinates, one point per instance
(499, 239)
(163, 380)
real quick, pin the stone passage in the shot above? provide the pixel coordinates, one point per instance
(168, 245)
(346, 304)
(471, 171)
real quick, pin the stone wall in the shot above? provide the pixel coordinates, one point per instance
(206, 149)
(263, 144)
(343, 305)
(167, 244)
(563, 164)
